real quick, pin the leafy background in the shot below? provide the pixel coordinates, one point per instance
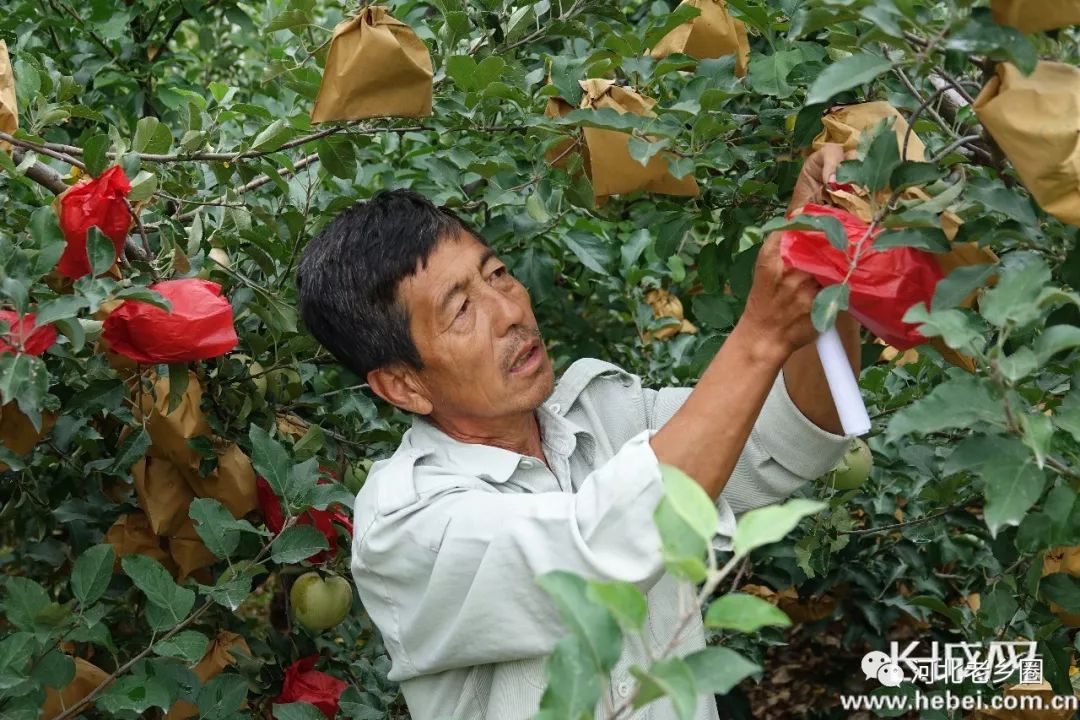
(206, 105)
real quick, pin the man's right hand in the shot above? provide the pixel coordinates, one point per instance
(777, 312)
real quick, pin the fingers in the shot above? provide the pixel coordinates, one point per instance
(832, 155)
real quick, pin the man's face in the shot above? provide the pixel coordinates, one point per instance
(471, 321)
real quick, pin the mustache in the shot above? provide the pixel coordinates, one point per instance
(520, 338)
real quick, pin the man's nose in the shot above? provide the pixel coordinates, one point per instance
(507, 312)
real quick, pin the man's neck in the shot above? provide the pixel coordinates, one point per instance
(518, 433)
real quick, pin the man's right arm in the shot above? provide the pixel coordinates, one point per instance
(705, 437)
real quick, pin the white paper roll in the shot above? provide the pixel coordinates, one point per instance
(843, 384)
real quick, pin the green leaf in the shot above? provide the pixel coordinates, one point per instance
(690, 501)
(961, 282)
(671, 678)
(24, 379)
(224, 695)
(833, 229)
(338, 156)
(768, 74)
(962, 402)
(745, 613)
(573, 688)
(828, 303)
(910, 173)
(215, 525)
(882, 158)
(1012, 480)
(623, 600)
(60, 308)
(643, 150)
(589, 249)
(769, 524)
(178, 382)
(1056, 339)
(231, 589)
(297, 543)
(134, 447)
(1063, 589)
(713, 311)
(55, 669)
(591, 622)
(24, 599)
(845, 74)
(297, 711)
(155, 582)
(95, 154)
(187, 645)
(133, 693)
(100, 251)
(929, 239)
(940, 202)
(718, 669)
(92, 572)
(273, 136)
(271, 461)
(1014, 300)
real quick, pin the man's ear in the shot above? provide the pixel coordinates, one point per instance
(399, 386)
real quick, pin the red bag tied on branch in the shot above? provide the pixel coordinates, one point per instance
(322, 520)
(305, 684)
(22, 333)
(199, 327)
(98, 202)
(884, 284)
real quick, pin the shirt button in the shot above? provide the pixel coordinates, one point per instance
(623, 689)
(555, 407)
(527, 464)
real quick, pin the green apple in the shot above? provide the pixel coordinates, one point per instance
(853, 469)
(319, 604)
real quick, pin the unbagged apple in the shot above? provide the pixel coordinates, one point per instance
(318, 602)
(853, 469)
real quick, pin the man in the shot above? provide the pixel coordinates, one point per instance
(505, 475)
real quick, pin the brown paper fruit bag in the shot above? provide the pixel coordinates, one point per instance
(608, 163)
(845, 125)
(131, 535)
(218, 656)
(9, 109)
(664, 304)
(376, 67)
(163, 493)
(169, 432)
(1036, 122)
(86, 680)
(18, 433)
(711, 34)
(190, 553)
(232, 483)
(1030, 16)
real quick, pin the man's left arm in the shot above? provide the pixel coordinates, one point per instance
(805, 378)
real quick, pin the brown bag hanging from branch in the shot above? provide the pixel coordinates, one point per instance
(169, 432)
(1029, 16)
(232, 483)
(86, 680)
(131, 535)
(218, 656)
(608, 163)
(17, 433)
(845, 125)
(376, 67)
(163, 493)
(189, 552)
(9, 110)
(711, 34)
(1035, 120)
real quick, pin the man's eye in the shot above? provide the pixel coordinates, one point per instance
(461, 312)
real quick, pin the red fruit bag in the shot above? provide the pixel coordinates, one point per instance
(885, 283)
(199, 327)
(21, 331)
(88, 203)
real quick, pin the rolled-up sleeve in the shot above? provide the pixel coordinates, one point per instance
(784, 451)
(453, 574)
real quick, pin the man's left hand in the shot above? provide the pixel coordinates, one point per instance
(817, 172)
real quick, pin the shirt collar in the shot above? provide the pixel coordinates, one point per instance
(492, 463)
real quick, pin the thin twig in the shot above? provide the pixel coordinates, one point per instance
(910, 523)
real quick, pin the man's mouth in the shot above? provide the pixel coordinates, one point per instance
(527, 358)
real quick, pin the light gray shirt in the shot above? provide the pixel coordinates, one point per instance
(450, 537)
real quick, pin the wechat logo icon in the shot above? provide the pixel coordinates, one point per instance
(879, 666)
